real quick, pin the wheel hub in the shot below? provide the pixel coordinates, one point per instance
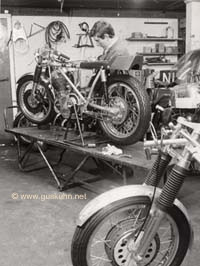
(117, 249)
(31, 102)
(122, 113)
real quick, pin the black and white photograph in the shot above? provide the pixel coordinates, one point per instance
(99, 132)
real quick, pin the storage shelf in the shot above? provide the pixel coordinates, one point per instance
(159, 64)
(154, 39)
(148, 54)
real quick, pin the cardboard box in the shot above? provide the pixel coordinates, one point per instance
(147, 49)
(159, 47)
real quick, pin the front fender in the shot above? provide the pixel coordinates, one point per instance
(29, 74)
(120, 193)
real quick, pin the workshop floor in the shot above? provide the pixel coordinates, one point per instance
(38, 231)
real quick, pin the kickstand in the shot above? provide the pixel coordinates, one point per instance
(78, 124)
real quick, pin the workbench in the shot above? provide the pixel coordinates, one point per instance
(133, 155)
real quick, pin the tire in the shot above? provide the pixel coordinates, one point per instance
(21, 121)
(102, 239)
(127, 93)
(38, 111)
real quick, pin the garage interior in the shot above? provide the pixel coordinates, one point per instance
(38, 213)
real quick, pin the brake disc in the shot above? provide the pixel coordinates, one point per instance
(117, 244)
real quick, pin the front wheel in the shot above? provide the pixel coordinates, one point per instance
(37, 109)
(21, 121)
(134, 111)
(102, 240)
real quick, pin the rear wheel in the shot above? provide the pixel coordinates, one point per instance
(37, 109)
(103, 239)
(132, 121)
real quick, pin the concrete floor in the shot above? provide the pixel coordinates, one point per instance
(38, 232)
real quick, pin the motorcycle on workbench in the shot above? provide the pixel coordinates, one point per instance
(114, 100)
(142, 225)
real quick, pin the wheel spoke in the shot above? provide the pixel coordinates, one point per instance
(37, 108)
(109, 242)
(121, 92)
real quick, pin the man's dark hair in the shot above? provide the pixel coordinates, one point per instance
(102, 27)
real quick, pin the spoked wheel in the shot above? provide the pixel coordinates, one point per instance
(131, 101)
(21, 121)
(36, 108)
(103, 239)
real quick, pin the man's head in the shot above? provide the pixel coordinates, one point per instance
(103, 33)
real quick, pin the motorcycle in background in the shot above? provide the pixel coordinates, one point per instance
(186, 99)
(178, 98)
(116, 100)
(142, 224)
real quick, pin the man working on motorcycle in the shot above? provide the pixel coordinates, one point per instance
(104, 35)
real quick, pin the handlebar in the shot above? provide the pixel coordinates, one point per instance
(179, 136)
(64, 56)
(165, 142)
(46, 54)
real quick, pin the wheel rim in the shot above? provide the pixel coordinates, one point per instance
(125, 99)
(23, 123)
(108, 245)
(36, 110)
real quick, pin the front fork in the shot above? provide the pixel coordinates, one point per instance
(163, 202)
(36, 78)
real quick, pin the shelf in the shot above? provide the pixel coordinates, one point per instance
(153, 39)
(148, 54)
(159, 64)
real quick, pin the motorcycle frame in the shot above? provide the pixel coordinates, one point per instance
(100, 75)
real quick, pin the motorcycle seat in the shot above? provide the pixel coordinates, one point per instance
(94, 64)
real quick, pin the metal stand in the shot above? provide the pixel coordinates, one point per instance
(78, 124)
(23, 158)
(64, 182)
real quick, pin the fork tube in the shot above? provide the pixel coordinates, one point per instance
(144, 240)
(177, 175)
(158, 168)
(36, 77)
(174, 182)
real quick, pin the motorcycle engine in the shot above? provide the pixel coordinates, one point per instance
(65, 99)
(59, 82)
(65, 102)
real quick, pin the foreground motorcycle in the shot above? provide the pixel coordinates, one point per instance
(114, 98)
(142, 224)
